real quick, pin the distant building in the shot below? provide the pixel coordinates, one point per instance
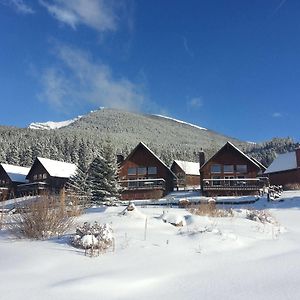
(143, 175)
(10, 177)
(187, 173)
(46, 175)
(285, 169)
(231, 172)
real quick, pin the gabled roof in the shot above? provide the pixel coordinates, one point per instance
(259, 163)
(237, 149)
(57, 168)
(16, 173)
(283, 162)
(188, 167)
(141, 144)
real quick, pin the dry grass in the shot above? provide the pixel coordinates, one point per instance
(292, 186)
(210, 209)
(46, 217)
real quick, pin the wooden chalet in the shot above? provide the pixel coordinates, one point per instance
(46, 176)
(145, 176)
(10, 177)
(231, 172)
(187, 173)
(285, 169)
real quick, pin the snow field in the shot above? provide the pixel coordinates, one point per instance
(208, 258)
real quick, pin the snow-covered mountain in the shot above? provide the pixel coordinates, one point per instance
(52, 125)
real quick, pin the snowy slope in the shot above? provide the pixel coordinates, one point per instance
(209, 258)
(182, 122)
(52, 125)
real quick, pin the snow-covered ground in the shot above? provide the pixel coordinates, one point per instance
(207, 258)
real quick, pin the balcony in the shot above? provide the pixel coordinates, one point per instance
(235, 184)
(143, 184)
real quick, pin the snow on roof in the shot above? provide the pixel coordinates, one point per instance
(283, 162)
(57, 168)
(16, 173)
(189, 168)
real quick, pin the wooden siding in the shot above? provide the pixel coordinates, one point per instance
(142, 157)
(228, 155)
(183, 179)
(285, 177)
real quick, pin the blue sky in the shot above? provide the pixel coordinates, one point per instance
(229, 65)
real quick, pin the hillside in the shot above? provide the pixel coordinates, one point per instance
(81, 139)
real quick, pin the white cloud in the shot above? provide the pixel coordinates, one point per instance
(195, 102)
(186, 47)
(97, 14)
(78, 79)
(18, 5)
(277, 115)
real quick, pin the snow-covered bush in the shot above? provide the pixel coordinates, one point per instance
(261, 216)
(93, 237)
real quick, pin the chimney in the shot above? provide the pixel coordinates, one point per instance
(297, 151)
(201, 158)
(120, 158)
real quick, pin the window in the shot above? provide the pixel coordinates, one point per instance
(228, 182)
(142, 170)
(40, 176)
(44, 175)
(241, 168)
(152, 170)
(35, 177)
(132, 184)
(228, 169)
(215, 169)
(216, 182)
(131, 171)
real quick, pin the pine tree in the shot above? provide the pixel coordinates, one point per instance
(103, 176)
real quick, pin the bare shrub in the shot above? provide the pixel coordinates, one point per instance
(41, 218)
(261, 216)
(95, 239)
(210, 209)
(292, 186)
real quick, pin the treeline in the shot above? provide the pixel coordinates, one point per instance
(21, 146)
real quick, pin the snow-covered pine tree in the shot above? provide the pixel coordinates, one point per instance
(103, 176)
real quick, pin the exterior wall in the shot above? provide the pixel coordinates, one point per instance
(51, 184)
(143, 158)
(192, 180)
(228, 156)
(183, 179)
(6, 186)
(285, 177)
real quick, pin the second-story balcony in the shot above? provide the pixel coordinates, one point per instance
(143, 184)
(234, 184)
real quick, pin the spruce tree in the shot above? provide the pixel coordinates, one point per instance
(103, 176)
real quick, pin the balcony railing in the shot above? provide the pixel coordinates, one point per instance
(143, 184)
(234, 184)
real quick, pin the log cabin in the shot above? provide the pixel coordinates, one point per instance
(46, 176)
(230, 172)
(187, 173)
(10, 177)
(143, 175)
(285, 169)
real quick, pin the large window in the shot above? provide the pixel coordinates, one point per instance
(131, 171)
(228, 169)
(142, 170)
(215, 181)
(215, 169)
(241, 168)
(152, 170)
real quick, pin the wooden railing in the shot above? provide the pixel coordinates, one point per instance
(143, 184)
(234, 184)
